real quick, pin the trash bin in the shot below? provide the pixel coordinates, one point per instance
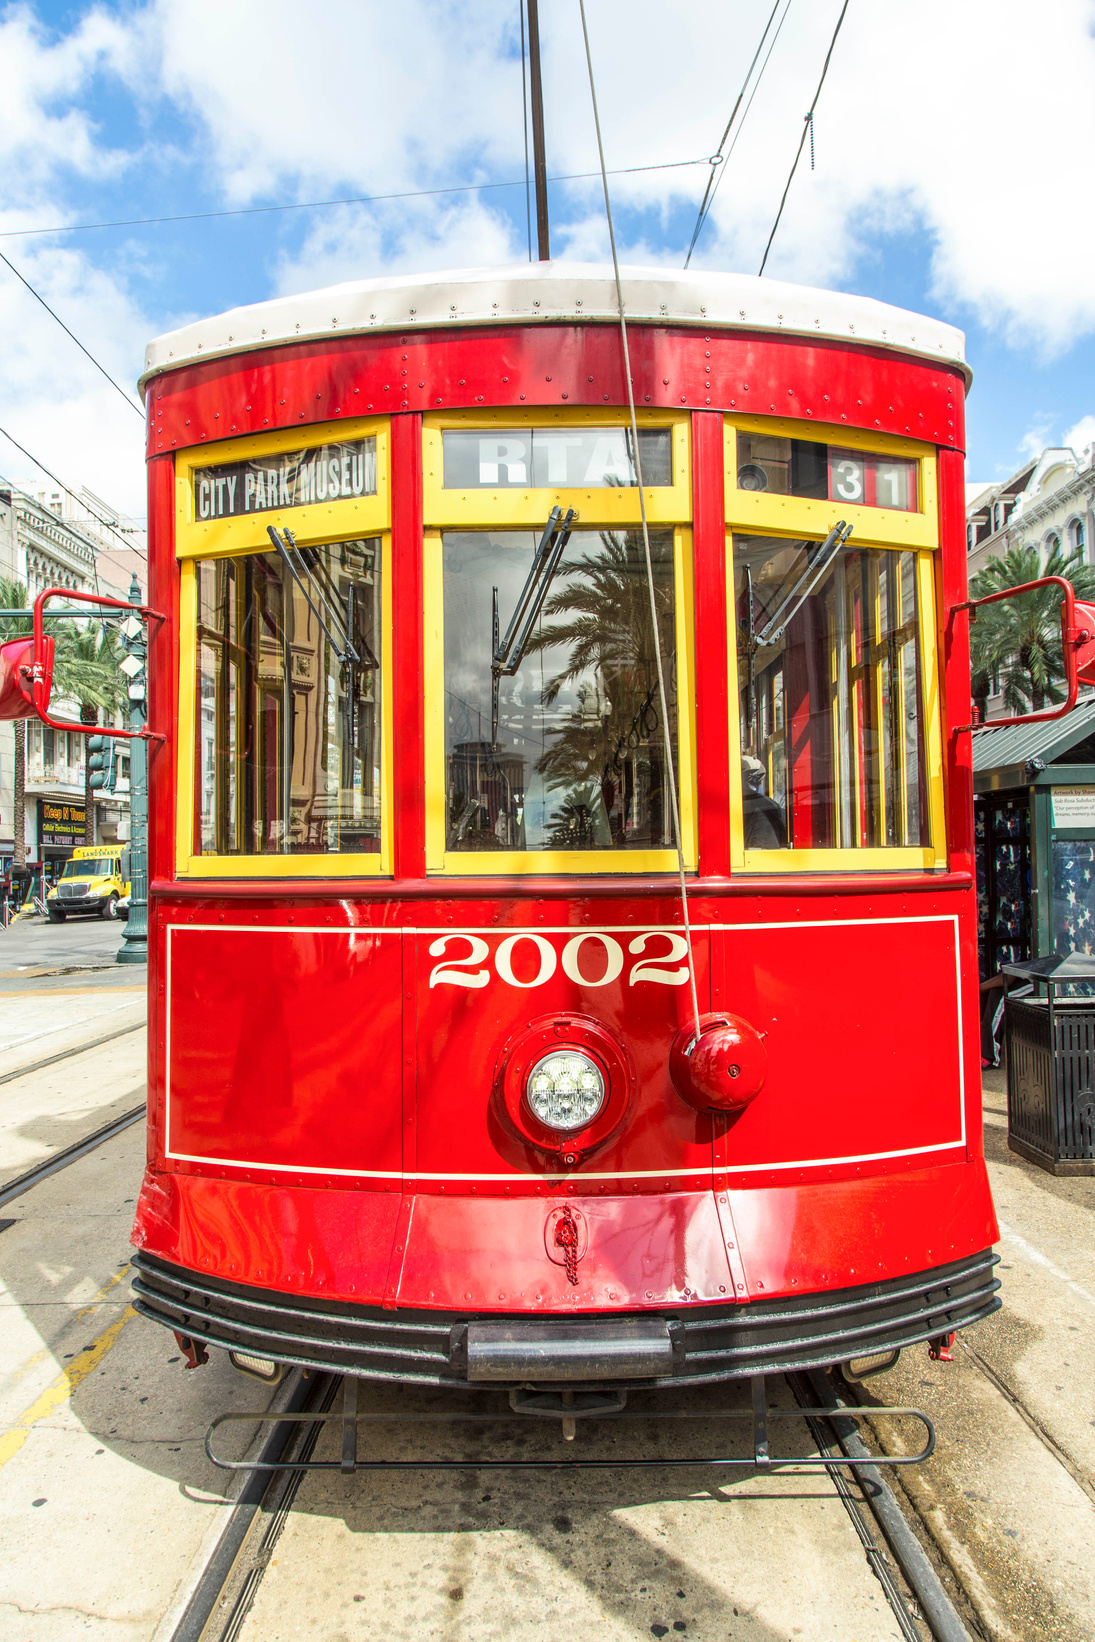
(1051, 1064)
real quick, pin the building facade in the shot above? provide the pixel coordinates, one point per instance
(51, 539)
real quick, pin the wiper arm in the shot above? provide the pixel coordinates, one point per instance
(508, 654)
(792, 603)
(346, 644)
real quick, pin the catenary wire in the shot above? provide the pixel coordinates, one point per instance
(353, 199)
(715, 158)
(807, 126)
(50, 474)
(741, 123)
(132, 403)
(663, 700)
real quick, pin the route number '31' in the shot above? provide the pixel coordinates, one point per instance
(652, 952)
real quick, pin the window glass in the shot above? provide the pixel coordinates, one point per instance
(88, 867)
(554, 458)
(288, 734)
(569, 755)
(799, 467)
(830, 697)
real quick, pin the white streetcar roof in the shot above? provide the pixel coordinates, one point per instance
(550, 292)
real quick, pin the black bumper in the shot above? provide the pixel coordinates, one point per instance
(722, 1342)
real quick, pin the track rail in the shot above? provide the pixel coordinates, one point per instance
(65, 1054)
(226, 1589)
(61, 1160)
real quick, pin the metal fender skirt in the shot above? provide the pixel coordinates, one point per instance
(688, 1345)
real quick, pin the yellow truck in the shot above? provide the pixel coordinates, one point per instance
(92, 882)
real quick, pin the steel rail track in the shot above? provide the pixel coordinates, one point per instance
(61, 1160)
(64, 1054)
(227, 1587)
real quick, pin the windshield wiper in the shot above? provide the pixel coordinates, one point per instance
(350, 645)
(508, 654)
(807, 582)
(785, 612)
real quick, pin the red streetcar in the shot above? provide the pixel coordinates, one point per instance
(427, 1101)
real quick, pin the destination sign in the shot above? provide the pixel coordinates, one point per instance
(567, 457)
(293, 478)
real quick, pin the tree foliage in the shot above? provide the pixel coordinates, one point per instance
(1019, 640)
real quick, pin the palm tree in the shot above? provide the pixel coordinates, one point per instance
(599, 615)
(1020, 639)
(85, 669)
(92, 656)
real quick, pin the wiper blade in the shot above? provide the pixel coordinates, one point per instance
(789, 607)
(349, 645)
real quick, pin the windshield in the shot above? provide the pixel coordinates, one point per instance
(98, 867)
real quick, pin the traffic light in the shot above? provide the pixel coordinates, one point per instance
(102, 767)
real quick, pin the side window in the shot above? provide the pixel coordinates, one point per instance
(831, 697)
(288, 729)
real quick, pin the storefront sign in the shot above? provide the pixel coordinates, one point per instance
(1074, 807)
(60, 824)
(295, 478)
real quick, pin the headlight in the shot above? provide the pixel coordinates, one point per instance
(565, 1090)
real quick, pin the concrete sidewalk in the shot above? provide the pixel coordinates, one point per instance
(1009, 1497)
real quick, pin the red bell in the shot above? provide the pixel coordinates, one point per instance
(1085, 642)
(722, 1069)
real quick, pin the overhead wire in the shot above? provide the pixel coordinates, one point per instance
(741, 123)
(353, 199)
(132, 403)
(717, 157)
(671, 776)
(807, 127)
(106, 524)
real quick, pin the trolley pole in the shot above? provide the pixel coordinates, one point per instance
(134, 947)
(539, 158)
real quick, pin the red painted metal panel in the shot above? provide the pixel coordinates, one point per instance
(463, 1028)
(762, 374)
(816, 1236)
(641, 1251)
(336, 1244)
(284, 1048)
(852, 1072)
(491, 1254)
(712, 659)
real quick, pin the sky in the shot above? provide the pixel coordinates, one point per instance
(948, 177)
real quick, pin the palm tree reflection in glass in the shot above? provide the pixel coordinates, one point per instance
(584, 702)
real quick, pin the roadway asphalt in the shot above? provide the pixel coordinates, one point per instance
(78, 943)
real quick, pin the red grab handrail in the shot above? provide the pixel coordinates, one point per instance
(40, 673)
(1073, 637)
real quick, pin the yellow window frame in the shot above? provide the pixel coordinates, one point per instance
(319, 522)
(906, 858)
(187, 863)
(545, 862)
(508, 508)
(764, 512)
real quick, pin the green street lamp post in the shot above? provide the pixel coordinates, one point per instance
(134, 947)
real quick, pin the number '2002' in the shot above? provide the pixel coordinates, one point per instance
(463, 968)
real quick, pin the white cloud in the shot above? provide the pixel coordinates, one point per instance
(1081, 434)
(963, 124)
